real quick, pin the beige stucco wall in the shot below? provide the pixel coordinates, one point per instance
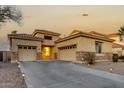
(16, 42)
(86, 44)
(106, 47)
(70, 42)
(47, 42)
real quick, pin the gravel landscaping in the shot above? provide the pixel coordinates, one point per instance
(117, 68)
(10, 76)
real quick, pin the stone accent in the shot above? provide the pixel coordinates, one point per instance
(38, 56)
(14, 57)
(104, 56)
(81, 56)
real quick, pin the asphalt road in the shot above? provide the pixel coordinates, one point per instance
(68, 75)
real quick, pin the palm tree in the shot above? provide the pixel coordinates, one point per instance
(121, 32)
(9, 13)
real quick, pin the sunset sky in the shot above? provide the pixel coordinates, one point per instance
(64, 19)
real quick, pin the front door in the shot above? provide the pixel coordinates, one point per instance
(47, 53)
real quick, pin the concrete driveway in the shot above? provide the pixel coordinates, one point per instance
(67, 75)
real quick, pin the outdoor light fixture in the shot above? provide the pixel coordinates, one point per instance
(111, 69)
(23, 74)
(88, 65)
(18, 66)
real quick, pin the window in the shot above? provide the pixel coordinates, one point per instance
(33, 47)
(68, 47)
(48, 37)
(25, 47)
(98, 46)
(20, 47)
(29, 47)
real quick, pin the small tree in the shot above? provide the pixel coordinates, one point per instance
(121, 30)
(8, 13)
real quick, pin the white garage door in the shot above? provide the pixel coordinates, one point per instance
(27, 54)
(68, 53)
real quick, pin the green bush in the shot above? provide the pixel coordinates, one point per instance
(115, 57)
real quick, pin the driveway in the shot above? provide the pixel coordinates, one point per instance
(67, 75)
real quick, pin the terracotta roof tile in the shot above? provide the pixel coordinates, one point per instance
(45, 32)
(85, 34)
(24, 36)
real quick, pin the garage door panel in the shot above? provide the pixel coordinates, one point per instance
(27, 54)
(68, 54)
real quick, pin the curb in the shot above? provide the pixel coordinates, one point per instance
(25, 78)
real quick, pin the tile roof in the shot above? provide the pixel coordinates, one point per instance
(24, 37)
(45, 32)
(85, 34)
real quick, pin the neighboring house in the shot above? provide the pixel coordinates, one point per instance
(47, 45)
(118, 44)
(33, 47)
(5, 54)
(75, 46)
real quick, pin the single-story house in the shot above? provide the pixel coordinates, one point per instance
(5, 54)
(47, 45)
(75, 46)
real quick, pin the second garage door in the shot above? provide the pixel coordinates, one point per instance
(68, 53)
(27, 53)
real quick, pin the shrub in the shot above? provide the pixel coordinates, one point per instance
(115, 57)
(122, 58)
(90, 58)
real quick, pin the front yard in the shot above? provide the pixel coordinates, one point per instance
(10, 76)
(117, 68)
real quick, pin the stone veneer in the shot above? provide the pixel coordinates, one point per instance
(14, 57)
(38, 56)
(104, 56)
(81, 56)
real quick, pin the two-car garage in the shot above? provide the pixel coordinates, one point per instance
(27, 53)
(25, 47)
(68, 53)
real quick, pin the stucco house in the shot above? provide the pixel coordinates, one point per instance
(47, 45)
(75, 46)
(118, 44)
(33, 47)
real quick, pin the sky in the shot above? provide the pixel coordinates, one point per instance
(64, 19)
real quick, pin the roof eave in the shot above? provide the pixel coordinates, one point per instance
(39, 31)
(83, 35)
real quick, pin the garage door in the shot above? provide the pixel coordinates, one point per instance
(27, 53)
(68, 53)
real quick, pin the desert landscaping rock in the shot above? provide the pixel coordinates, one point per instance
(11, 76)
